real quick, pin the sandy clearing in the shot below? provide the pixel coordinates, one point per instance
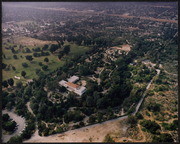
(126, 48)
(94, 133)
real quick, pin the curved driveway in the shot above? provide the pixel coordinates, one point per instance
(20, 122)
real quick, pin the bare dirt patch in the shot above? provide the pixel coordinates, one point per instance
(125, 47)
(94, 133)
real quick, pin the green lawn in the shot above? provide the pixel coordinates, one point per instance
(53, 63)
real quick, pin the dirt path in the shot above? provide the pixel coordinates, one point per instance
(148, 86)
(29, 108)
(36, 134)
(144, 137)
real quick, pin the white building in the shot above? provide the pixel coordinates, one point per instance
(73, 87)
(73, 79)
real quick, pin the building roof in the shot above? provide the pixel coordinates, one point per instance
(72, 85)
(62, 82)
(73, 79)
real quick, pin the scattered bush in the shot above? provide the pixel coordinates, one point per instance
(25, 65)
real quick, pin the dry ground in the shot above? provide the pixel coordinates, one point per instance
(94, 133)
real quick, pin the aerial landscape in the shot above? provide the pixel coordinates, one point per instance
(89, 72)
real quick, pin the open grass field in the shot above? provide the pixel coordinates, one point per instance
(27, 41)
(53, 63)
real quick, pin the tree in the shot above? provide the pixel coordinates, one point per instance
(51, 86)
(23, 73)
(89, 101)
(19, 84)
(13, 68)
(45, 67)
(9, 126)
(132, 120)
(108, 139)
(28, 50)
(13, 50)
(66, 49)
(139, 116)
(15, 139)
(102, 103)
(4, 65)
(45, 47)
(99, 117)
(60, 55)
(53, 48)
(46, 60)
(62, 89)
(36, 54)
(164, 137)
(25, 65)
(154, 107)
(5, 83)
(5, 117)
(91, 119)
(40, 64)
(11, 82)
(84, 70)
(15, 57)
(151, 126)
(38, 71)
(29, 57)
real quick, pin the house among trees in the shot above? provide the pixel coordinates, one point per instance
(71, 86)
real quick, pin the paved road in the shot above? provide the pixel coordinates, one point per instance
(20, 122)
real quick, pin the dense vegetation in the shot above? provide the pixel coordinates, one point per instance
(8, 124)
